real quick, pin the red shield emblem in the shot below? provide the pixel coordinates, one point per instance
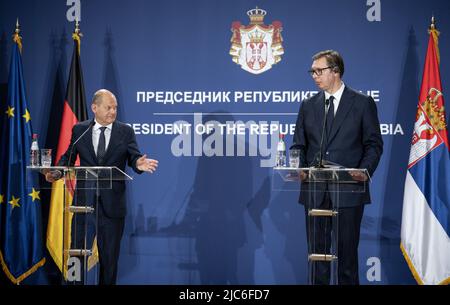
(256, 55)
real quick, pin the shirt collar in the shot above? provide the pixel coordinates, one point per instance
(337, 95)
(97, 126)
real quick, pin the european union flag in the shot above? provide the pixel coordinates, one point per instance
(21, 251)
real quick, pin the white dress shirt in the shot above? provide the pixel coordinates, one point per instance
(337, 97)
(96, 131)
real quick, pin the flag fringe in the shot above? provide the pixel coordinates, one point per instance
(411, 266)
(414, 271)
(23, 276)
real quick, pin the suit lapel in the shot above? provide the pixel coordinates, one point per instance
(345, 104)
(88, 143)
(319, 108)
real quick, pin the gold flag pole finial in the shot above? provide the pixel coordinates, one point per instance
(77, 26)
(77, 34)
(16, 37)
(432, 27)
(435, 34)
(433, 23)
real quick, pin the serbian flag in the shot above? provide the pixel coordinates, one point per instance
(425, 229)
(74, 111)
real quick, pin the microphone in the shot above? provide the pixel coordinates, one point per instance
(327, 107)
(91, 124)
(57, 174)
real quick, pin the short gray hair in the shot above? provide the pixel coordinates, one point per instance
(99, 94)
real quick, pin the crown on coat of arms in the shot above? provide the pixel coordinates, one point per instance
(256, 15)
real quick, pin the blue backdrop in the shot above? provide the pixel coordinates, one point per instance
(210, 214)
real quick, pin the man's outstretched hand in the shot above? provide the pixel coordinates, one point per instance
(146, 165)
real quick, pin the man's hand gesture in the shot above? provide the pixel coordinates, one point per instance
(146, 165)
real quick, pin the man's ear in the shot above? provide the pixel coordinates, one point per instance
(94, 108)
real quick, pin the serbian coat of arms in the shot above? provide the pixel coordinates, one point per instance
(256, 47)
(429, 128)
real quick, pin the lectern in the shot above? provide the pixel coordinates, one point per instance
(315, 183)
(79, 189)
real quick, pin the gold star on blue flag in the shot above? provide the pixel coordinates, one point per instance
(21, 247)
(34, 194)
(27, 116)
(10, 112)
(14, 202)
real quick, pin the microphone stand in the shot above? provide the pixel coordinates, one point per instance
(73, 145)
(327, 107)
(76, 141)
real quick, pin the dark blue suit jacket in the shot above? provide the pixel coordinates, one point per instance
(122, 149)
(355, 138)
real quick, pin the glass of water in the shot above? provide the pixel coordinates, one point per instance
(46, 157)
(294, 158)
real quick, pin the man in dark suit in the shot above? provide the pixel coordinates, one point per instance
(107, 142)
(351, 139)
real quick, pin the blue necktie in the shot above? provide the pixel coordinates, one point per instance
(330, 116)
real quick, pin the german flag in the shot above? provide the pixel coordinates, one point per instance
(74, 111)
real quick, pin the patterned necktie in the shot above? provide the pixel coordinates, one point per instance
(330, 115)
(101, 145)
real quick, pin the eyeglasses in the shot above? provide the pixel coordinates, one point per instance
(318, 72)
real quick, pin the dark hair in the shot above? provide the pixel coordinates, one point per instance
(334, 60)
